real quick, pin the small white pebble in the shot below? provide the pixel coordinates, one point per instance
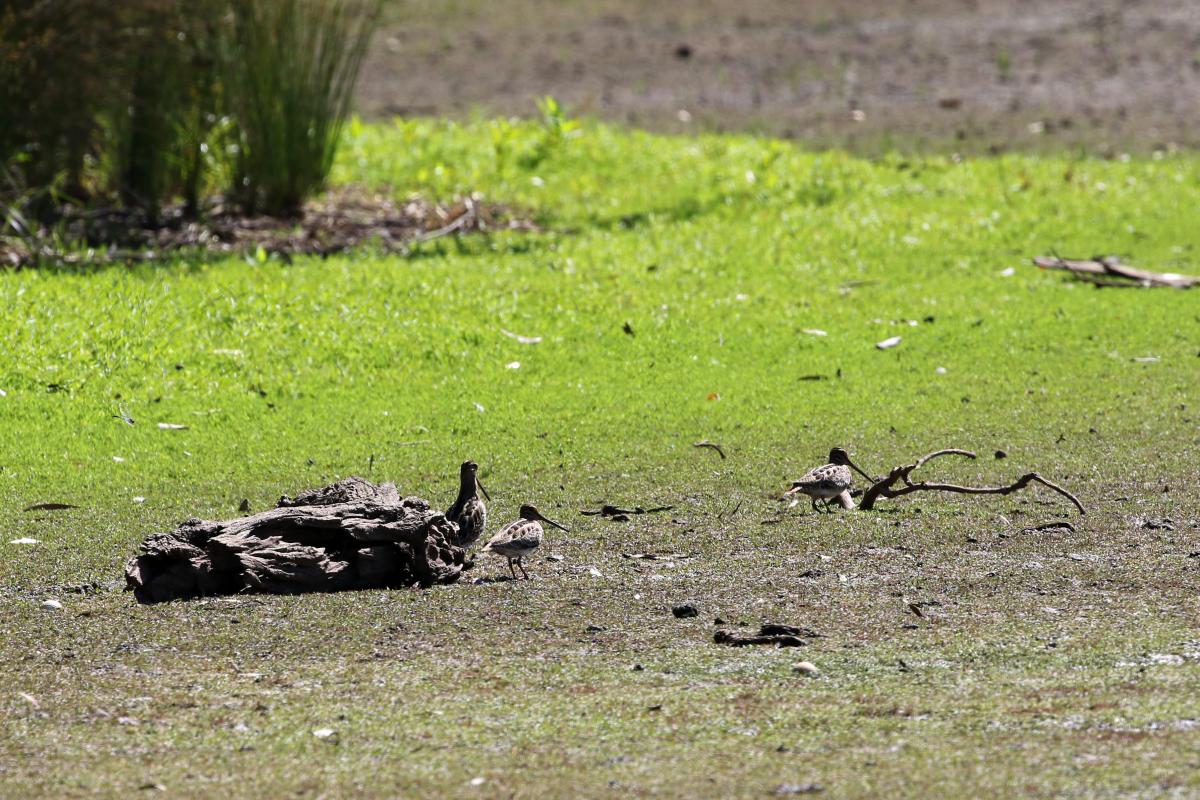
(683, 115)
(51, 605)
(814, 332)
(1007, 272)
(323, 733)
(477, 781)
(139, 499)
(513, 365)
(888, 343)
(806, 668)
(118, 459)
(940, 370)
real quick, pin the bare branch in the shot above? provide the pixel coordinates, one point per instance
(887, 486)
(952, 451)
(1112, 267)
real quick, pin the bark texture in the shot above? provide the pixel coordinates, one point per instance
(350, 535)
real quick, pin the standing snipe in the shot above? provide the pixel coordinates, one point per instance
(829, 480)
(468, 511)
(520, 538)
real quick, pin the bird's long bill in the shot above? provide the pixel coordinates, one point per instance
(485, 494)
(854, 467)
(792, 490)
(555, 524)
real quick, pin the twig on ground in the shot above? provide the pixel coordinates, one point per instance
(615, 513)
(711, 446)
(1112, 268)
(887, 486)
(1050, 526)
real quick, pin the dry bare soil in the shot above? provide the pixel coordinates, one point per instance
(869, 76)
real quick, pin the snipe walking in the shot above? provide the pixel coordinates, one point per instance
(520, 538)
(828, 480)
(468, 512)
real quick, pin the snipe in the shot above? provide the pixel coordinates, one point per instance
(468, 512)
(828, 480)
(520, 538)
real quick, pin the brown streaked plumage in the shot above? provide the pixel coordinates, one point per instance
(468, 512)
(520, 538)
(828, 480)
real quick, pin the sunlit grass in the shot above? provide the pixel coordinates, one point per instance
(722, 255)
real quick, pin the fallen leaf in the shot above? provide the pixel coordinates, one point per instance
(520, 338)
(28, 698)
(798, 788)
(713, 396)
(888, 343)
(628, 329)
(814, 332)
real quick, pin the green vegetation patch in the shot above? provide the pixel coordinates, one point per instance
(720, 288)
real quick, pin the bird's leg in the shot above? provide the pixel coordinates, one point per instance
(510, 569)
(827, 506)
(814, 504)
(522, 566)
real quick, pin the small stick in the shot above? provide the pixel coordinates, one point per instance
(712, 446)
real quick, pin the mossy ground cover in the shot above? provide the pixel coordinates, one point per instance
(674, 289)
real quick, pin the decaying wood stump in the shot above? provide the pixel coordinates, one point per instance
(351, 535)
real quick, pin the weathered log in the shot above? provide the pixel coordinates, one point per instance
(351, 535)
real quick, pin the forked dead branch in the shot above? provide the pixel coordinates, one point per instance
(1109, 271)
(899, 483)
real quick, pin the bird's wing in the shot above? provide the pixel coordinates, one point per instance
(477, 515)
(524, 534)
(826, 476)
